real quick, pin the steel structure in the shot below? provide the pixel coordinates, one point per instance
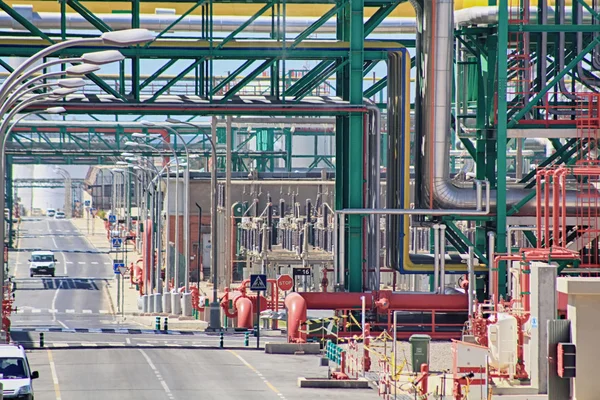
(479, 81)
(23, 183)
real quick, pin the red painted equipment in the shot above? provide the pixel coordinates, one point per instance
(296, 306)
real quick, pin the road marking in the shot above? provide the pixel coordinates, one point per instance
(158, 375)
(107, 263)
(273, 388)
(128, 340)
(62, 324)
(103, 311)
(54, 302)
(81, 263)
(90, 344)
(94, 262)
(53, 311)
(70, 311)
(58, 344)
(117, 344)
(86, 311)
(69, 262)
(54, 375)
(36, 311)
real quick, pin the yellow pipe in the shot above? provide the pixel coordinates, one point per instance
(237, 9)
(408, 265)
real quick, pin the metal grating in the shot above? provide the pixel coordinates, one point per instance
(558, 331)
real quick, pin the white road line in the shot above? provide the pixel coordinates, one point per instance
(54, 302)
(128, 340)
(54, 375)
(103, 311)
(117, 344)
(36, 311)
(90, 344)
(86, 311)
(158, 375)
(63, 324)
(56, 344)
(69, 262)
(94, 262)
(70, 311)
(53, 311)
(107, 263)
(81, 263)
(145, 344)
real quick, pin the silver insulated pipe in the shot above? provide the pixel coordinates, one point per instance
(437, 189)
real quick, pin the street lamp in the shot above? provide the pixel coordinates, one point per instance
(215, 308)
(187, 299)
(168, 300)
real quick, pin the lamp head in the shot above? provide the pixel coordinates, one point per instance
(173, 121)
(122, 163)
(63, 92)
(55, 110)
(130, 143)
(139, 135)
(148, 123)
(71, 83)
(117, 170)
(126, 154)
(102, 57)
(82, 69)
(127, 37)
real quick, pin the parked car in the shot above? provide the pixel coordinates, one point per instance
(42, 263)
(50, 212)
(59, 215)
(15, 374)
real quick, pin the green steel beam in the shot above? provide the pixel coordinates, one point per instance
(158, 72)
(376, 88)
(178, 20)
(240, 85)
(309, 77)
(24, 22)
(501, 136)
(231, 77)
(466, 241)
(379, 16)
(318, 80)
(245, 25)
(6, 66)
(176, 79)
(88, 15)
(535, 99)
(317, 24)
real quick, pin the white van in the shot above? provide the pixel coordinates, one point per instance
(50, 212)
(42, 263)
(15, 374)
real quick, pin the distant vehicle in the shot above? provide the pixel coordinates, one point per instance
(60, 215)
(50, 212)
(42, 263)
(15, 374)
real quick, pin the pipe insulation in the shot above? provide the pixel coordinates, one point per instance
(163, 18)
(438, 190)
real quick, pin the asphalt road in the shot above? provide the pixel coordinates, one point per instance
(78, 295)
(75, 366)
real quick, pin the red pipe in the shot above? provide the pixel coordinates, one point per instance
(296, 306)
(397, 301)
(244, 307)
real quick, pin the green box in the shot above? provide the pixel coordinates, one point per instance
(419, 345)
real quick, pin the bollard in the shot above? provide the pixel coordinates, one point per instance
(157, 325)
(41, 339)
(221, 340)
(166, 324)
(247, 339)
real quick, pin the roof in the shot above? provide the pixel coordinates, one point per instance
(42, 253)
(11, 350)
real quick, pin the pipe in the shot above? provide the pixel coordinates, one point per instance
(407, 301)
(470, 265)
(436, 258)
(296, 306)
(191, 23)
(491, 251)
(244, 312)
(442, 258)
(488, 15)
(438, 189)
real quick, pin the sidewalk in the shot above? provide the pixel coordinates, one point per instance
(131, 312)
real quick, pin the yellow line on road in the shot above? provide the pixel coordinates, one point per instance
(54, 375)
(273, 388)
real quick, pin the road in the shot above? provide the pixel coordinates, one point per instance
(76, 365)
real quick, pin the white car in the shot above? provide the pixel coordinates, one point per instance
(59, 215)
(15, 374)
(50, 212)
(42, 263)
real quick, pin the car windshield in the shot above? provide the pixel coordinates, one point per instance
(43, 258)
(12, 368)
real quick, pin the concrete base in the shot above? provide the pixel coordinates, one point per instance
(175, 304)
(186, 304)
(150, 308)
(158, 303)
(166, 303)
(292, 348)
(145, 301)
(320, 383)
(140, 303)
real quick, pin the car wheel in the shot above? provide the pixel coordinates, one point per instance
(31, 274)
(52, 274)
